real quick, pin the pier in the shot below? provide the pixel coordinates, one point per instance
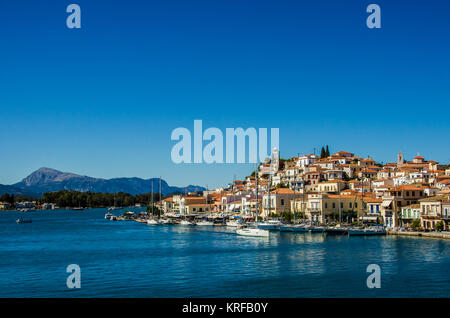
(437, 235)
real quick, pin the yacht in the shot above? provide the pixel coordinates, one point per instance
(294, 228)
(270, 225)
(166, 221)
(232, 223)
(205, 222)
(249, 231)
(186, 222)
(152, 222)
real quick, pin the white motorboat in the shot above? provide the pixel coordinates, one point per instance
(270, 225)
(232, 223)
(248, 231)
(205, 223)
(153, 222)
(186, 222)
(166, 221)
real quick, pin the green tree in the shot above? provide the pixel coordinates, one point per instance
(440, 226)
(327, 152)
(322, 153)
(415, 224)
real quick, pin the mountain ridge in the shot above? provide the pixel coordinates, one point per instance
(47, 179)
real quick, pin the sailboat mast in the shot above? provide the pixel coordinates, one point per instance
(340, 215)
(152, 198)
(256, 176)
(160, 197)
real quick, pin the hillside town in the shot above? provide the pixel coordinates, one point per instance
(331, 189)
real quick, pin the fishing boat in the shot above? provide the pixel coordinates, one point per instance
(367, 231)
(20, 220)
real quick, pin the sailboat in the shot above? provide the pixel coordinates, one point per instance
(152, 221)
(244, 230)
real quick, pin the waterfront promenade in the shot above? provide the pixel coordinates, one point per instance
(437, 235)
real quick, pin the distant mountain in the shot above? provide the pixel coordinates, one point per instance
(49, 180)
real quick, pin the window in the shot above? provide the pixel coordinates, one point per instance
(326, 205)
(350, 205)
(334, 205)
(193, 209)
(282, 201)
(342, 205)
(356, 205)
(407, 193)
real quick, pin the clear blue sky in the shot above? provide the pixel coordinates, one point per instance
(102, 101)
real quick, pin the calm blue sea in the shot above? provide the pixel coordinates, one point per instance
(129, 259)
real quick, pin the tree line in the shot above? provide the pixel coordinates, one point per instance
(70, 198)
(66, 198)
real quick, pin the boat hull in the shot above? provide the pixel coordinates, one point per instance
(365, 232)
(205, 223)
(253, 232)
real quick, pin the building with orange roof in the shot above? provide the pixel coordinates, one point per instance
(278, 201)
(396, 198)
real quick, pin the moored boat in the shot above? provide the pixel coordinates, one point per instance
(232, 223)
(166, 221)
(249, 231)
(272, 225)
(367, 231)
(205, 223)
(286, 228)
(336, 231)
(186, 222)
(152, 222)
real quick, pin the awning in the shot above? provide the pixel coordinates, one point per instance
(387, 203)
